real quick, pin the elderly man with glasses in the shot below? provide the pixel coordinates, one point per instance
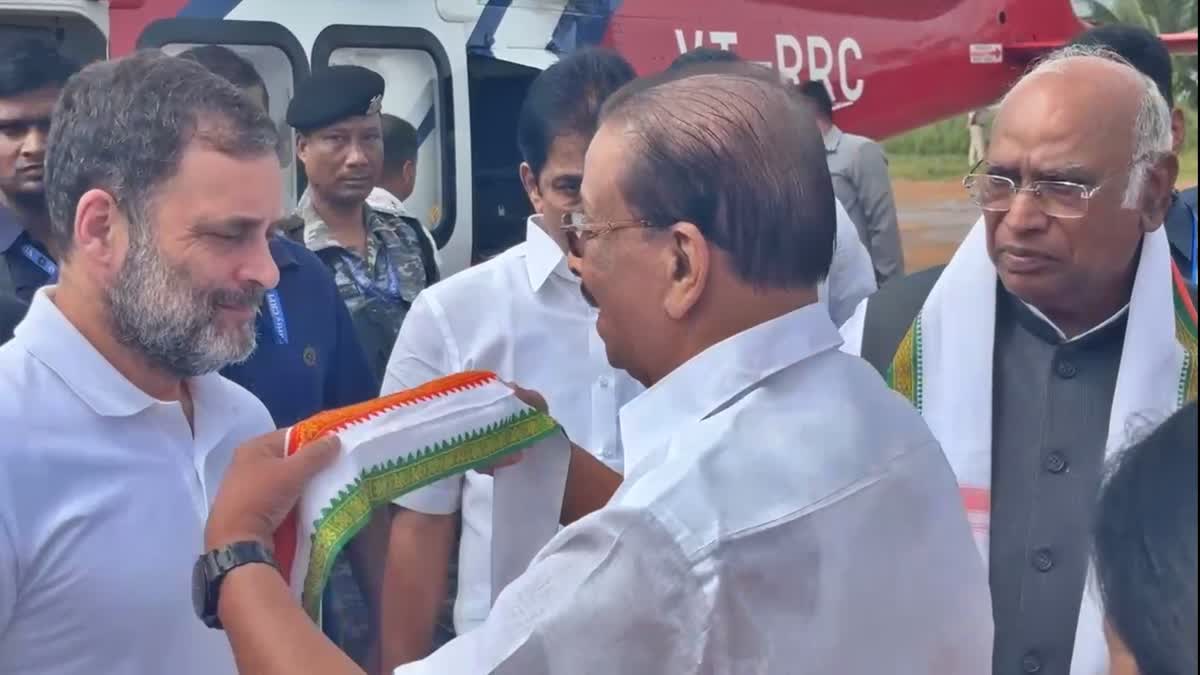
(1058, 324)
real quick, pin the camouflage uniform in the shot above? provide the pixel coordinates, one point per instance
(378, 291)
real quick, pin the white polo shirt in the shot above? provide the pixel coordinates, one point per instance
(521, 316)
(104, 492)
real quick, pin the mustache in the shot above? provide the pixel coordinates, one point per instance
(249, 297)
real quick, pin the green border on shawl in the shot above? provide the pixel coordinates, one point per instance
(1185, 333)
(376, 486)
(905, 374)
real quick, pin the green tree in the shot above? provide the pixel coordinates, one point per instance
(1159, 16)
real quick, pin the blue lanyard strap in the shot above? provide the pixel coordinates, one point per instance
(357, 269)
(40, 259)
(278, 322)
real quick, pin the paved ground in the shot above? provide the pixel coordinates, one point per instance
(934, 217)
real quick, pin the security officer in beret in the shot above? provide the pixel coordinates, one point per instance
(380, 260)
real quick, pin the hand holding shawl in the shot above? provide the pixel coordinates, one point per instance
(398, 443)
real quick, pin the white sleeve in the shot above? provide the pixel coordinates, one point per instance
(852, 330)
(612, 593)
(425, 350)
(8, 574)
(851, 275)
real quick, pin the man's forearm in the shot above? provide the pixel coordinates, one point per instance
(270, 633)
(414, 583)
(590, 484)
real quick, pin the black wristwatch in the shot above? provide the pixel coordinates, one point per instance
(211, 569)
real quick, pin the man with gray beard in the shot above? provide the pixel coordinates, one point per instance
(163, 188)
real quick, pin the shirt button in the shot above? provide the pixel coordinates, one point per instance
(1031, 662)
(604, 382)
(1043, 560)
(1055, 462)
(1066, 370)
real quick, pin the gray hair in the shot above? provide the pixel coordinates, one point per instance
(122, 126)
(1152, 136)
(727, 148)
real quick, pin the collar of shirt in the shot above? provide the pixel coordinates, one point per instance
(1063, 336)
(280, 253)
(833, 138)
(1037, 316)
(52, 339)
(543, 257)
(382, 200)
(711, 379)
(317, 235)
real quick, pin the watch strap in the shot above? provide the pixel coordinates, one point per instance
(217, 563)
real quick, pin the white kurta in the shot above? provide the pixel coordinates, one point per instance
(104, 493)
(851, 273)
(782, 513)
(521, 316)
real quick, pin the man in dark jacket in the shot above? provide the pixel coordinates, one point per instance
(11, 313)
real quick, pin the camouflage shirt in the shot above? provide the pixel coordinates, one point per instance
(377, 289)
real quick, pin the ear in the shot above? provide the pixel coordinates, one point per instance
(302, 147)
(688, 263)
(529, 182)
(1158, 191)
(1178, 130)
(101, 230)
(410, 172)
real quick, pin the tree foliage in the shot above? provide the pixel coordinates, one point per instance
(1158, 16)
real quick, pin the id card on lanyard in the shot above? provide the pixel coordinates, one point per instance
(43, 261)
(278, 322)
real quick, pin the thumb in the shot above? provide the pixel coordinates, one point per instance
(311, 458)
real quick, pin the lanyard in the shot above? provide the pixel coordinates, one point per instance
(40, 259)
(278, 323)
(365, 286)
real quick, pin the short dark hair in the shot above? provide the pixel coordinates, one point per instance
(399, 142)
(1145, 546)
(728, 149)
(817, 94)
(566, 98)
(29, 64)
(123, 125)
(223, 61)
(1141, 48)
(704, 55)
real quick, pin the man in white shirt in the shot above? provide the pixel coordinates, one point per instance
(398, 176)
(520, 315)
(781, 512)
(162, 187)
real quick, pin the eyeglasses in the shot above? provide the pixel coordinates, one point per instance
(1057, 199)
(580, 228)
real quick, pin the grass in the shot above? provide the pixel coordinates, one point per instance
(938, 152)
(945, 167)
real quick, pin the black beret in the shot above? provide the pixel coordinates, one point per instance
(334, 93)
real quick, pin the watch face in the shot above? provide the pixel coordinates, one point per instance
(200, 588)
